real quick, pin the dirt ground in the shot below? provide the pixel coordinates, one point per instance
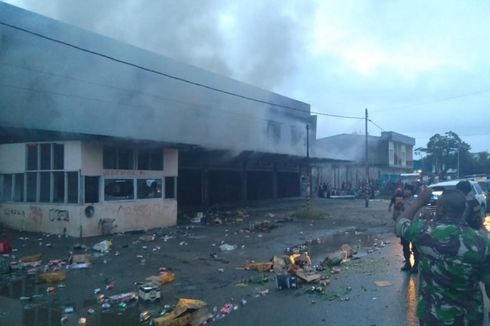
(191, 251)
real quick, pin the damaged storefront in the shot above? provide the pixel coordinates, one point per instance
(217, 177)
(85, 188)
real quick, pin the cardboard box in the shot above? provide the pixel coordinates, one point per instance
(187, 312)
(79, 259)
(261, 267)
(52, 277)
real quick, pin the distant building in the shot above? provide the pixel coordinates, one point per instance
(388, 155)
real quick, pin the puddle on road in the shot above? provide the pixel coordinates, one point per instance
(43, 309)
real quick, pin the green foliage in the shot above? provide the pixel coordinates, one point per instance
(448, 151)
(445, 151)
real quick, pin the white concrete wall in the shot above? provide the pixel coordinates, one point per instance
(56, 218)
(131, 215)
(12, 158)
(37, 217)
(73, 155)
(70, 218)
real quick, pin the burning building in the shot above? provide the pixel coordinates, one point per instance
(96, 134)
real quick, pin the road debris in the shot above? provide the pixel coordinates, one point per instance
(187, 312)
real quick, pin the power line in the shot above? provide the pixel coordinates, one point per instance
(376, 124)
(337, 115)
(150, 69)
(444, 99)
(184, 104)
(188, 106)
(172, 76)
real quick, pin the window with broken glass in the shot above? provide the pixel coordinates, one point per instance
(118, 189)
(149, 188)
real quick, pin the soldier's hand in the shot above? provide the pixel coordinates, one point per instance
(424, 196)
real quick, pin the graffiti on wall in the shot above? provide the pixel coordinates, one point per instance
(13, 212)
(59, 215)
(35, 213)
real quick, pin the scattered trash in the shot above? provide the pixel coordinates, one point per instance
(147, 238)
(91, 311)
(5, 247)
(221, 270)
(149, 292)
(187, 312)
(260, 267)
(227, 247)
(347, 250)
(52, 277)
(163, 278)
(278, 264)
(336, 270)
(286, 282)
(198, 218)
(82, 321)
(79, 262)
(103, 246)
(226, 309)
(145, 316)
(69, 310)
(31, 261)
(51, 290)
(308, 277)
(264, 226)
(298, 261)
(383, 284)
(123, 297)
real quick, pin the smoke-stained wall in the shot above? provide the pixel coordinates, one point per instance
(51, 86)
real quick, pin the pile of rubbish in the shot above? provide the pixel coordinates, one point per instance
(295, 267)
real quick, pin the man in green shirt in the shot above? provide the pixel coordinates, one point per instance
(454, 259)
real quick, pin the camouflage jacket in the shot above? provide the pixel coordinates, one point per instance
(454, 258)
(472, 213)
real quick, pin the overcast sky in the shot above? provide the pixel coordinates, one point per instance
(420, 67)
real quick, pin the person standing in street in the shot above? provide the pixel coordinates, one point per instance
(408, 247)
(454, 259)
(472, 213)
(396, 204)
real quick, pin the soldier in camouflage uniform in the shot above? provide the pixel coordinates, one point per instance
(454, 258)
(472, 213)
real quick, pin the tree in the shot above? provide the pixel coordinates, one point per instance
(447, 151)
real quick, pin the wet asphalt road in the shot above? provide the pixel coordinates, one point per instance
(352, 298)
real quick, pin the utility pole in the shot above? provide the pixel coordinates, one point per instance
(459, 149)
(367, 161)
(308, 168)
